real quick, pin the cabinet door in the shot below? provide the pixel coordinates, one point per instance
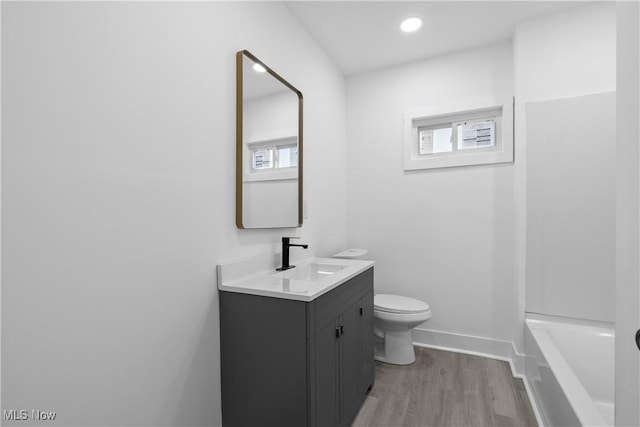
(327, 394)
(350, 366)
(367, 367)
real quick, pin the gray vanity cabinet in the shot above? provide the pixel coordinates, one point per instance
(366, 365)
(296, 363)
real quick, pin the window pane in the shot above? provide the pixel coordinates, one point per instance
(477, 134)
(263, 159)
(288, 156)
(442, 140)
(435, 140)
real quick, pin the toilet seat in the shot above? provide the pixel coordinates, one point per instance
(403, 318)
(388, 303)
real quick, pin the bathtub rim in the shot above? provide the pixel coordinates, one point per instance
(581, 402)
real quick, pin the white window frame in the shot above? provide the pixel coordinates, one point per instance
(275, 172)
(501, 152)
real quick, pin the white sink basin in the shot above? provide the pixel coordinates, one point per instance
(312, 271)
(310, 278)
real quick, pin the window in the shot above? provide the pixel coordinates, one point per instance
(471, 137)
(262, 158)
(476, 134)
(272, 159)
(436, 139)
(287, 156)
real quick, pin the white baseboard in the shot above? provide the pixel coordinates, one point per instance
(534, 403)
(478, 346)
(468, 344)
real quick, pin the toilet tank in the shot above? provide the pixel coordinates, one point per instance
(353, 253)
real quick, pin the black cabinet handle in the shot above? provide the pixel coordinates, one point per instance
(338, 332)
(341, 329)
(361, 311)
(638, 339)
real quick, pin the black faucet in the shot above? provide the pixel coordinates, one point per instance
(285, 253)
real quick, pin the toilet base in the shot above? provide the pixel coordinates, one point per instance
(397, 348)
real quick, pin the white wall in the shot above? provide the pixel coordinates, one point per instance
(270, 117)
(270, 204)
(566, 54)
(118, 149)
(628, 215)
(444, 235)
(569, 54)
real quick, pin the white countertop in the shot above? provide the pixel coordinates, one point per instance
(257, 276)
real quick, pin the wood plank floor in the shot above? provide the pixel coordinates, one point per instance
(443, 388)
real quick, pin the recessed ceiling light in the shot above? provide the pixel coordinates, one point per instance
(410, 25)
(259, 68)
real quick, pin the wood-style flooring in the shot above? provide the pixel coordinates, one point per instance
(443, 388)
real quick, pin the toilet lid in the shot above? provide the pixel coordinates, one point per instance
(353, 253)
(398, 304)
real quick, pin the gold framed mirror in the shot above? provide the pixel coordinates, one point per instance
(268, 147)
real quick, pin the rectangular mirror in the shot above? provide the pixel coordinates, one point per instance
(268, 147)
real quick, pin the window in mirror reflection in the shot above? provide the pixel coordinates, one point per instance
(262, 158)
(288, 156)
(274, 156)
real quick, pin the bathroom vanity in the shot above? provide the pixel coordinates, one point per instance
(296, 346)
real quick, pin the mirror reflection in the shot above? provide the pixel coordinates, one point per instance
(268, 146)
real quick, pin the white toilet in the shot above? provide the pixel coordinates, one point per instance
(394, 317)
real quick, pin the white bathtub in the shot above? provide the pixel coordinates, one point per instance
(570, 370)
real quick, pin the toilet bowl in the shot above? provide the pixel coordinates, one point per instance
(393, 318)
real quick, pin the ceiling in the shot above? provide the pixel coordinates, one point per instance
(362, 36)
